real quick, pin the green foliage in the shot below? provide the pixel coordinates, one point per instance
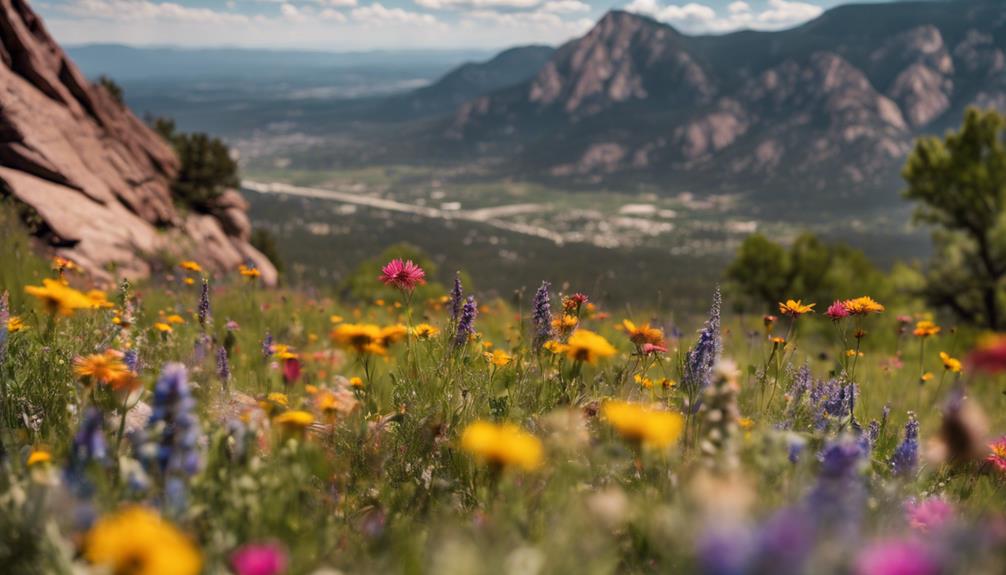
(765, 272)
(958, 184)
(206, 166)
(264, 241)
(113, 89)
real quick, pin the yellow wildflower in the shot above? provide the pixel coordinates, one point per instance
(105, 368)
(15, 324)
(863, 306)
(643, 333)
(39, 456)
(363, 337)
(588, 346)
(249, 272)
(136, 541)
(795, 307)
(294, 420)
(163, 327)
(392, 334)
(502, 445)
(425, 331)
(59, 298)
(926, 328)
(951, 364)
(642, 425)
(191, 266)
(174, 318)
(498, 358)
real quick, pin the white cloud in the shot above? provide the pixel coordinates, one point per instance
(738, 7)
(783, 13)
(377, 13)
(337, 3)
(565, 6)
(332, 15)
(147, 10)
(458, 4)
(291, 13)
(694, 17)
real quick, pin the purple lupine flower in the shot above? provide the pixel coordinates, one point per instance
(174, 427)
(267, 345)
(457, 294)
(203, 310)
(837, 500)
(200, 349)
(542, 315)
(466, 323)
(88, 446)
(803, 383)
(706, 352)
(906, 454)
(794, 447)
(223, 365)
(872, 433)
(132, 360)
(726, 550)
(784, 543)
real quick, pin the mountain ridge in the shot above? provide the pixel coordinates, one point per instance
(830, 104)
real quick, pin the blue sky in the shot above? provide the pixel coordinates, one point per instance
(372, 24)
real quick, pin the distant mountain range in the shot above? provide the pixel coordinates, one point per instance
(829, 108)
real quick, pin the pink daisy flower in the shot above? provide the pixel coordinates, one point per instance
(259, 559)
(837, 310)
(997, 457)
(403, 275)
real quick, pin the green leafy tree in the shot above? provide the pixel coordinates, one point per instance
(206, 167)
(264, 241)
(958, 183)
(765, 272)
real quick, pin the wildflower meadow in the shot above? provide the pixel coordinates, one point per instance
(194, 424)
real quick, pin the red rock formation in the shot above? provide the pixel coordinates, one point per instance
(98, 176)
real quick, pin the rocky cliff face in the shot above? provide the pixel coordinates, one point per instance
(831, 105)
(97, 176)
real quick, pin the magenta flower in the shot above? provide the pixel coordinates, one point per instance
(291, 370)
(402, 275)
(929, 514)
(837, 310)
(259, 559)
(897, 557)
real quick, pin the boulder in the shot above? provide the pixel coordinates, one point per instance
(98, 177)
